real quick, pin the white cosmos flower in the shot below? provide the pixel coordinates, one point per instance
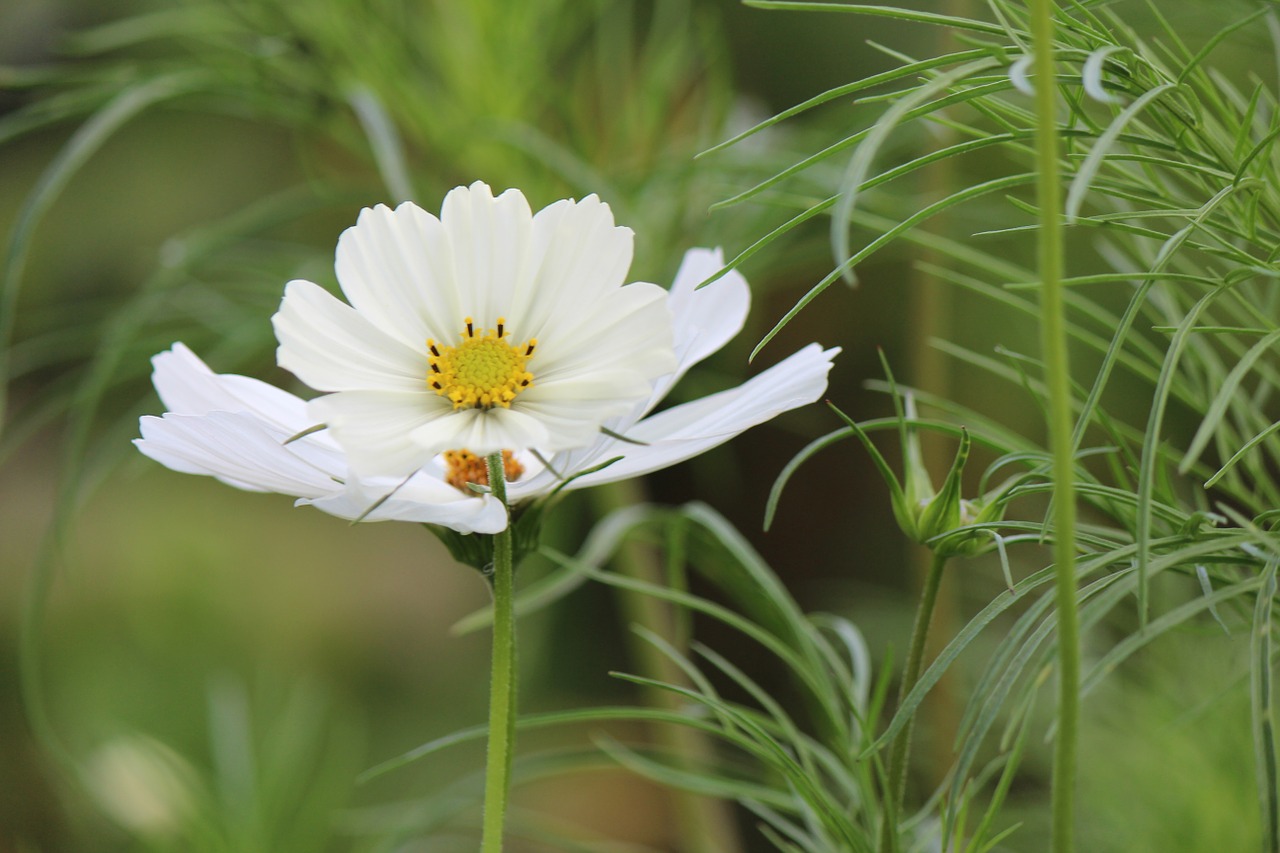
(488, 328)
(236, 428)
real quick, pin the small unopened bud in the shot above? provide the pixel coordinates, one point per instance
(935, 519)
(968, 537)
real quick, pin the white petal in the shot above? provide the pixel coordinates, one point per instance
(397, 269)
(631, 328)
(187, 386)
(557, 276)
(374, 428)
(704, 319)
(331, 347)
(580, 257)
(685, 431)
(242, 451)
(492, 242)
(601, 369)
(423, 499)
(482, 432)
(238, 429)
(574, 424)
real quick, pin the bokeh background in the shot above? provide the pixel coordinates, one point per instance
(191, 644)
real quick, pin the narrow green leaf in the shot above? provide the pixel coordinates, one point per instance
(708, 784)
(904, 72)
(536, 596)
(1089, 168)
(860, 163)
(1194, 63)
(879, 242)
(79, 149)
(384, 141)
(1264, 735)
(1240, 454)
(1224, 398)
(547, 720)
(1147, 464)
(883, 12)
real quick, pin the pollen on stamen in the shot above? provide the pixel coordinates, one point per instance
(463, 467)
(484, 370)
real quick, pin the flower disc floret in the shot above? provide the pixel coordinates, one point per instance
(463, 467)
(483, 371)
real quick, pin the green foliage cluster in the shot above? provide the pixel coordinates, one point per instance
(1172, 214)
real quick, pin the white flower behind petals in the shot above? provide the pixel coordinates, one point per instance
(488, 328)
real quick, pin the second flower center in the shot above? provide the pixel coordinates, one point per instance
(463, 467)
(485, 370)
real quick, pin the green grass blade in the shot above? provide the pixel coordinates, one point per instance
(384, 141)
(1225, 396)
(883, 12)
(1084, 175)
(978, 190)
(79, 149)
(860, 162)
(904, 72)
(1264, 735)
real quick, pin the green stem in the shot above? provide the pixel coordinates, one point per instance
(502, 683)
(901, 749)
(1058, 380)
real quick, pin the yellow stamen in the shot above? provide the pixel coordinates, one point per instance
(463, 466)
(483, 371)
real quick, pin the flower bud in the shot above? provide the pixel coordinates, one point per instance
(935, 519)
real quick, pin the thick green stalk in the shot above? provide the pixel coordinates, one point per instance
(1058, 380)
(502, 677)
(901, 749)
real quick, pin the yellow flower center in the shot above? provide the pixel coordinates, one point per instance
(463, 466)
(483, 371)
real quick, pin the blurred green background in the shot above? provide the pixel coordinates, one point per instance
(219, 654)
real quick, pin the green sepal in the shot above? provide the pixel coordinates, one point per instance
(917, 485)
(472, 549)
(903, 510)
(476, 549)
(988, 509)
(958, 542)
(1199, 523)
(942, 512)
